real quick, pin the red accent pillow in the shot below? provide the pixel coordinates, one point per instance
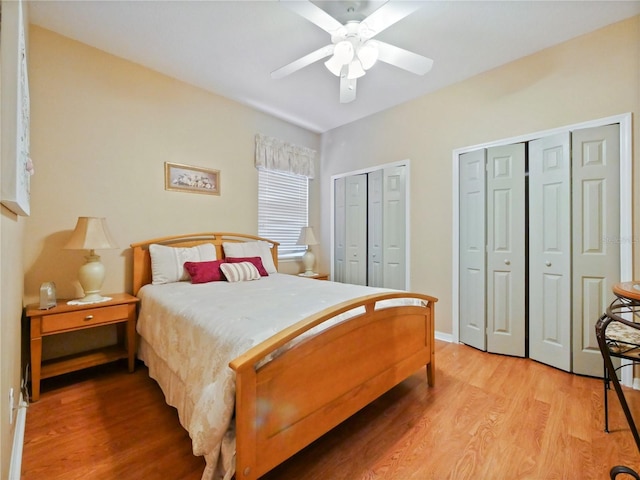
(257, 262)
(204, 272)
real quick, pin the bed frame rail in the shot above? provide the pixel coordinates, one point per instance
(284, 404)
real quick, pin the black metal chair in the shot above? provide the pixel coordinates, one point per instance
(619, 337)
(620, 469)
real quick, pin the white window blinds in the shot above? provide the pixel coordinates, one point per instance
(282, 209)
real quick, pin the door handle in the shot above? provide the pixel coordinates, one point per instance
(507, 261)
(547, 263)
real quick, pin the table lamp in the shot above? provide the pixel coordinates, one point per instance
(308, 259)
(91, 233)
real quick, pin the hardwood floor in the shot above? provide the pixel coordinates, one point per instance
(488, 417)
(103, 424)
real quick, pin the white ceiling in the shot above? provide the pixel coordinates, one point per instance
(231, 47)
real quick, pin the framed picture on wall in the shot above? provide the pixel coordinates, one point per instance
(17, 168)
(186, 178)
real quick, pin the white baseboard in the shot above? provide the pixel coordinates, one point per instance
(15, 466)
(445, 337)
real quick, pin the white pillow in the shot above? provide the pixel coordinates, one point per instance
(167, 263)
(251, 249)
(240, 272)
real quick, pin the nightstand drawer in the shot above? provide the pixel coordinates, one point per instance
(89, 317)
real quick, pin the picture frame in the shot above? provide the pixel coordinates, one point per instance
(16, 165)
(187, 178)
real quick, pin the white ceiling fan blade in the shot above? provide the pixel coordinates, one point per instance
(347, 88)
(388, 14)
(314, 14)
(401, 58)
(302, 62)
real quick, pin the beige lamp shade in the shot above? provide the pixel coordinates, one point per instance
(307, 237)
(91, 233)
(308, 259)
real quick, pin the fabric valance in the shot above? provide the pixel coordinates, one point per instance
(274, 154)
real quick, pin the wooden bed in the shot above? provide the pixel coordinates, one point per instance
(321, 380)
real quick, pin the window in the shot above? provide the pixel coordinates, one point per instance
(283, 209)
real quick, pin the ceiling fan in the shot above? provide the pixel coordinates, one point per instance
(353, 50)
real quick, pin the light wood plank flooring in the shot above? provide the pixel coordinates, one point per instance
(488, 417)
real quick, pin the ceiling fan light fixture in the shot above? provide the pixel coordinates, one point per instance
(343, 52)
(342, 55)
(368, 55)
(334, 66)
(355, 70)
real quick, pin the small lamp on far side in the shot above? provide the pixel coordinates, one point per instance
(308, 259)
(91, 233)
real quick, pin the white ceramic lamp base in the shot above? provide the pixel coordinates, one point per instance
(308, 259)
(91, 276)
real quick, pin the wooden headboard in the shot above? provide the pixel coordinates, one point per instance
(142, 258)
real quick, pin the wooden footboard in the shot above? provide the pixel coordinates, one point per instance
(286, 403)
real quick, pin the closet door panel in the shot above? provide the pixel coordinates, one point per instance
(394, 227)
(596, 237)
(550, 251)
(472, 270)
(375, 226)
(506, 250)
(339, 232)
(356, 230)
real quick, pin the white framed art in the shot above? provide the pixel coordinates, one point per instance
(17, 166)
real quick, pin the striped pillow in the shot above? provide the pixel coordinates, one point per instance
(240, 272)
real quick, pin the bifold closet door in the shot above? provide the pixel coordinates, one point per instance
(550, 251)
(356, 230)
(472, 271)
(596, 237)
(339, 233)
(506, 250)
(375, 265)
(370, 228)
(350, 230)
(394, 227)
(492, 249)
(573, 252)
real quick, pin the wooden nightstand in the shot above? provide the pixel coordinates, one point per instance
(317, 276)
(63, 318)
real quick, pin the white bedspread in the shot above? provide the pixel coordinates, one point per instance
(196, 330)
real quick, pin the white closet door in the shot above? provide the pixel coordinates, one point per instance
(394, 227)
(550, 251)
(356, 230)
(339, 232)
(375, 227)
(472, 249)
(506, 250)
(596, 237)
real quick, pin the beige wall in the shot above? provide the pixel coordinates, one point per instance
(590, 77)
(101, 130)
(11, 238)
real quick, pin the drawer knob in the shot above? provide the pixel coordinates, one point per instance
(88, 317)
